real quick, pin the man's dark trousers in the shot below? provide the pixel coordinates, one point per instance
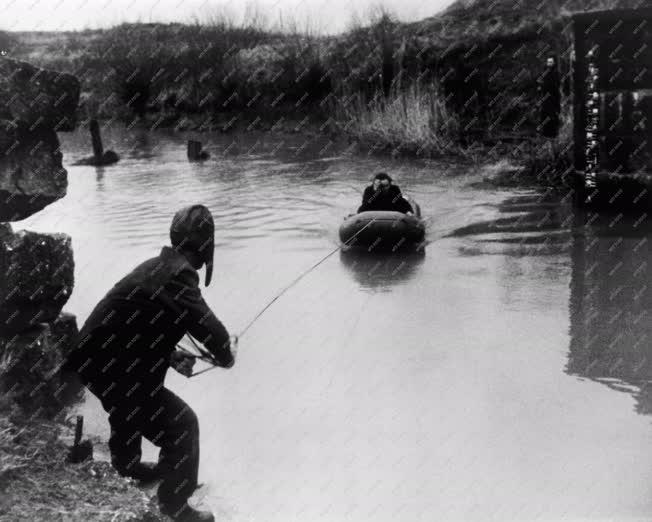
(169, 423)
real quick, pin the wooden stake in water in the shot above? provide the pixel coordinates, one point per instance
(96, 138)
(79, 428)
(195, 153)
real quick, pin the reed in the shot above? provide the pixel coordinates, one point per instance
(414, 120)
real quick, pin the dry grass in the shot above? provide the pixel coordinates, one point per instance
(415, 120)
(37, 484)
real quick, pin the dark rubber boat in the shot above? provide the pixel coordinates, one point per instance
(386, 231)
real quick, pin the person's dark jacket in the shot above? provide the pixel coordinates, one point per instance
(126, 342)
(389, 199)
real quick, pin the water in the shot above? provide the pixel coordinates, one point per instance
(503, 376)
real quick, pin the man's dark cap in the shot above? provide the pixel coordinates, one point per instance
(193, 229)
(383, 175)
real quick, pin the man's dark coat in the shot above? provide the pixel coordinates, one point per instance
(389, 199)
(125, 344)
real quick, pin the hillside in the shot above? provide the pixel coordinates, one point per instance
(494, 18)
(485, 57)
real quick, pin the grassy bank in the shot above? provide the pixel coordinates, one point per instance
(413, 121)
(465, 77)
(37, 484)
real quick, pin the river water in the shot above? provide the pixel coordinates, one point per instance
(502, 376)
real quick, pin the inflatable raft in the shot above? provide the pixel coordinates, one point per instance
(383, 231)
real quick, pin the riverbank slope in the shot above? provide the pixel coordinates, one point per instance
(38, 484)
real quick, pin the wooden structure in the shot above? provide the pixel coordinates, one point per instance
(195, 152)
(100, 156)
(96, 139)
(81, 450)
(612, 96)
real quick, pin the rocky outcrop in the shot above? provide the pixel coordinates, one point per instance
(30, 364)
(34, 105)
(36, 270)
(5, 231)
(35, 98)
(36, 279)
(31, 173)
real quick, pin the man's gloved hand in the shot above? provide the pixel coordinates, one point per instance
(234, 347)
(182, 362)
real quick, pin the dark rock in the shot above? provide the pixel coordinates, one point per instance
(28, 370)
(5, 231)
(36, 279)
(63, 334)
(31, 368)
(64, 331)
(31, 173)
(110, 157)
(33, 97)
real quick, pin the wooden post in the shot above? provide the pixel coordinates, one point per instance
(80, 450)
(193, 149)
(79, 428)
(98, 149)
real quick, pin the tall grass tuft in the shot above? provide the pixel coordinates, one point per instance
(414, 120)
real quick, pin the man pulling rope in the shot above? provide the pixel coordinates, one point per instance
(127, 344)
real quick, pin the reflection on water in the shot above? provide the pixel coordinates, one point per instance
(100, 171)
(536, 214)
(381, 272)
(610, 296)
(535, 225)
(611, 303)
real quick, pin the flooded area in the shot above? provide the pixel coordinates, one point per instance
(502, 376)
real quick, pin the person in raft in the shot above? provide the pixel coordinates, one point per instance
(127, 344)
(382, 194)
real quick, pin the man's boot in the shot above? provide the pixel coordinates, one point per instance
(186, 513)
(142, 471)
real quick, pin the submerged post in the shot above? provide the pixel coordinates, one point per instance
(100, 157)
(96, 138)
(193, 149)
(195, 152)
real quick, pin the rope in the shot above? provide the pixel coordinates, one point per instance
(205, 356)
(193, 354)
